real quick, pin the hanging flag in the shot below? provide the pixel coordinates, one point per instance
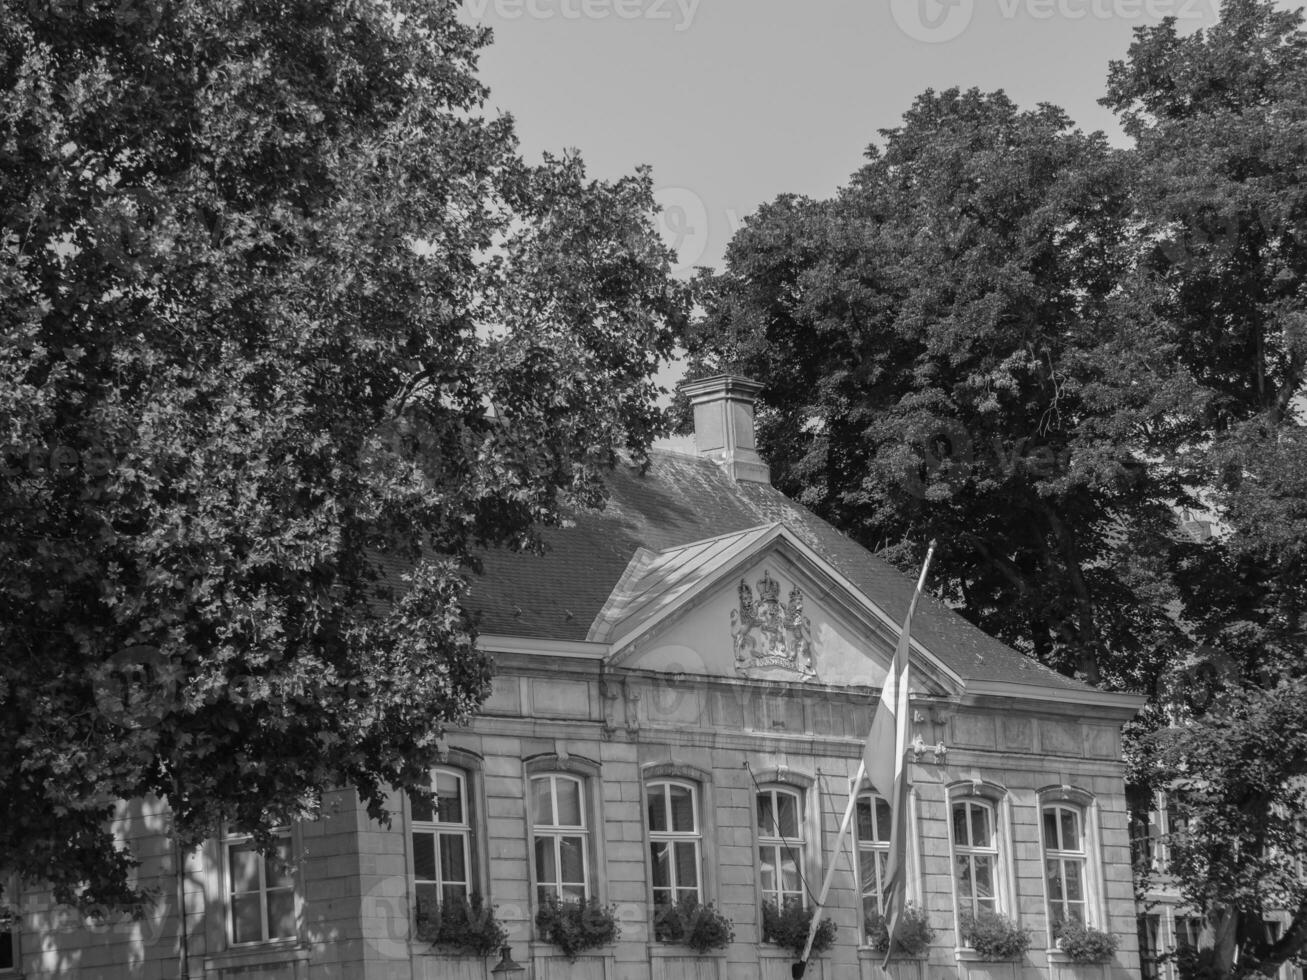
(888, 772)
(889, 726)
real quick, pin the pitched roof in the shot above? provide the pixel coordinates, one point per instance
(679, 511)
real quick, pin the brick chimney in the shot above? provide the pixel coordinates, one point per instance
(723, 424)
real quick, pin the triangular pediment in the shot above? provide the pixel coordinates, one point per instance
(756, 604)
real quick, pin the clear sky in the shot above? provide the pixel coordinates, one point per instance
(733, 102)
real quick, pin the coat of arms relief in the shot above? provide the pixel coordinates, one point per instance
(769, 637)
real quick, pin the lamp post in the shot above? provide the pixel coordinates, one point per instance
(506, 967)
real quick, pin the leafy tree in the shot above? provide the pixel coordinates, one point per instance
(1237, 778)
(287, 330)
(946, 354)
(1219, 120)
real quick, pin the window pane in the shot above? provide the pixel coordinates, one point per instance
(965, 887)
(767, 868)
(278, 872)
(542, 806)
(766, 816)
(573, 893)
(449, 791)
(1050, 829)
(980, 833)
(546, 868)
(1075, 889)
(687, 865)
(659, 855)
(787, 815)
(960, 836)
(789, 870)
(984, 872)
(866, 829)
(1070, 830)
(6, 950)
(658, 807)
(682, 798)
(884, 820)
(569, 803)
(246, 926)
(572, 850)
(427, 900)
(455, 895)
(243, 861)
(281, 913)
(867, 873)
(424, 857)
(453, 868)
(422, 812)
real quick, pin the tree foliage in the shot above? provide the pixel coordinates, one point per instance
(287, 331)
(1006, 335)
(1219, 122)
(943, 348)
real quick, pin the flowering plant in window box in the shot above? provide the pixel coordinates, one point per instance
(690, 923)
(993, 936)
(577, 926)
(1084, 944)
(788, 927)
(466, 926)
(915, 932)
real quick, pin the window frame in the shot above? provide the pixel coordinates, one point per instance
(589, 774)
(558, 832)
(1062, 854)
(467, 829)
(807, 822)
(225, 842)
(1086, 805)
(880, 849)
(671, 837)
(999, 803)
(972, 852)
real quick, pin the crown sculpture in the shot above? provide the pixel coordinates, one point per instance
(770, 639)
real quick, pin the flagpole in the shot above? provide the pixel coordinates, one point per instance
(835, 858)
(897, 681)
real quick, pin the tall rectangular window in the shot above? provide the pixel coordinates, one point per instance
(562, 849)
(442, 843)
(1149, 948)
(781, 845)
(873, 831)
(674, 841)
(975, 855)
(260, 891)
(1064, 864)
(7, 955)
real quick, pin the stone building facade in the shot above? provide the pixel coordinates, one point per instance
(684, 686)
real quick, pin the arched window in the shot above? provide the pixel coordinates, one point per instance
(1065, 864)
(561, 836)
(675, 841)
(872, 829)
(781, 845)
(442, 843)
(259, 890)
(974, 831)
